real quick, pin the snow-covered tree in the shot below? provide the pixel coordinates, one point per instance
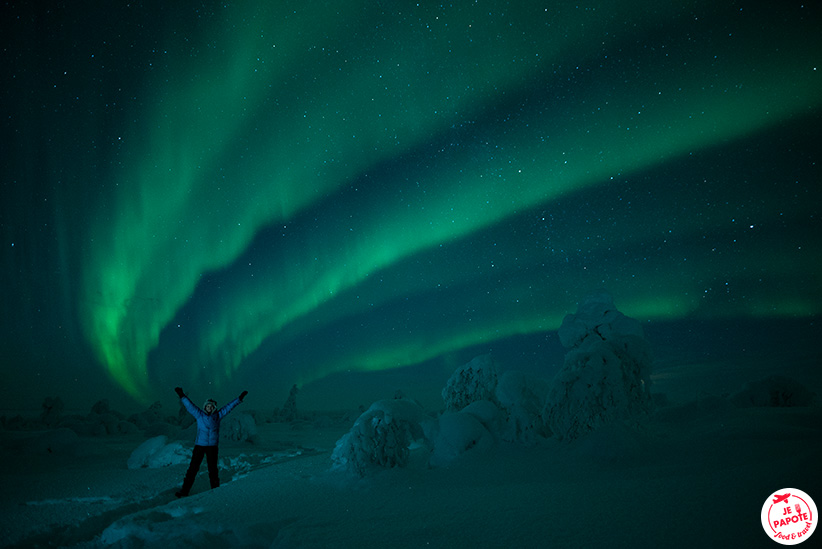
(606, 374)
(380, 438)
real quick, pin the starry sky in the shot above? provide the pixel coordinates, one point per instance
(252, 195)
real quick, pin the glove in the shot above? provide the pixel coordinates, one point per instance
(179, 392)
(242, 395)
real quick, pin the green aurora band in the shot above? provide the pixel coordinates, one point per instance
(284, 110)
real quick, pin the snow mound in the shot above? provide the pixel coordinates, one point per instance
(157, 452)
(487, 413)
(60, 441)
(175, 527)
(459, 433)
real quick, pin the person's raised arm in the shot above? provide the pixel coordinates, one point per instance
(230, 406)
(187, 404)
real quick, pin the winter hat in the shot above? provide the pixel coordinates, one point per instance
(210, 401)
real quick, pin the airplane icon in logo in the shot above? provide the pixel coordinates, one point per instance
(779, 498)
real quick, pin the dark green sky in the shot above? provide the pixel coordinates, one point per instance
(213, 194)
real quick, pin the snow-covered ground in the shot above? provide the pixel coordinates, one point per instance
(607, 454)
(695, 474)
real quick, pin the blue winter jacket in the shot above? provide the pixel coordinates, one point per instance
(208, 425)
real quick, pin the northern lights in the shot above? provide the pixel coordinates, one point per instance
(277, 193)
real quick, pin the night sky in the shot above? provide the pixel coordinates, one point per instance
(250, 195)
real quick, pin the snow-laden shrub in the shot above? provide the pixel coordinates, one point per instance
(238, 427)
(606, 374)
(474, 381)
(587, 393)
(157, 452)
(521, 398)
(518, 397)
(774, 391)
(380, 437)
(596, 317)
(289, 412)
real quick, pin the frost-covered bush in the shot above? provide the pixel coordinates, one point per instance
(596, 317)
(774, 391)
(157, 452)
(380, 437)
(238, 427)
(606, 373)
(474, 381)
(518, 397)
(521, 398)
(289, 410)
(587, 392)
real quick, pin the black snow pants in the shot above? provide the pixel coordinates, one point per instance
(210, 453)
